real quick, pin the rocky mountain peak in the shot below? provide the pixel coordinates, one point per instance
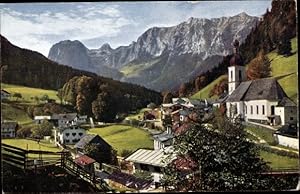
(161, 51)
(106, 47)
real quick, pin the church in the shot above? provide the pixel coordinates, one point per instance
(262, 100)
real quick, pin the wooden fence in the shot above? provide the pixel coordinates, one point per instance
(32, 159)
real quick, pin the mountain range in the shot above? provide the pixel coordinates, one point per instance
(162, 57)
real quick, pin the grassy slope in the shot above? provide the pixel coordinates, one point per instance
(278, 162)
(16, 110)
(204, 93)
(13, 112)
(281, 66)
(123, 137)
(28, 92)
(32, 145)
(134, 69)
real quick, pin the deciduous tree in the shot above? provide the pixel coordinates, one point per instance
(259, 67)
(225, 160)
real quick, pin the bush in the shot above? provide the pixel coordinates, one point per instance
(24, 132)
(143, 175)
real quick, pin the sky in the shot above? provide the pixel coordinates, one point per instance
(37, 26)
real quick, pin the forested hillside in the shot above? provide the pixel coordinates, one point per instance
(104, 98)
(29, 68)
(271, 34)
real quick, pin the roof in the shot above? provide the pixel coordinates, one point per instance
(67, 116)
(260, 89)
(9, 124)
(84, 141)
(90, 138)
(239, 92)
(184, 112)
(180, 100)
(236, 59)
(151, 157)
(42, 117)
(163, 137)
(129, 180)
(84, 160)
(286, 101)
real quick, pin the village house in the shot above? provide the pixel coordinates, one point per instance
(4, 94)
(153, 161)
(40, 119)
(87, 163)
(92, 139)
(62, 120)
(163, 140)
(261, 100)
(68, 134)
(8, 129)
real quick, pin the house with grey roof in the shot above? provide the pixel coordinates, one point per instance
(153, 161)
(261, 100)
(8, 129)
(4, 94)
(163, 140)
(96, 140)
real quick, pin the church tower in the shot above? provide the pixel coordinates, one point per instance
(236, 70)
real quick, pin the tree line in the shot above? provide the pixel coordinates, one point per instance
(105, 99)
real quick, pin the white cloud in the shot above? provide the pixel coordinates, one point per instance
(28, 30)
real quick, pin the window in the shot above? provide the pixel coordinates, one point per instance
(231, 75)
(67, 141)
(257, 110)
(67, 134)
(263, 109)
(240, 75)
(80, 134)
(291, 118)
(251, 109)
(246, 109)
(74, 134)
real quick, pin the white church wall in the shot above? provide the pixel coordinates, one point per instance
(260, 103)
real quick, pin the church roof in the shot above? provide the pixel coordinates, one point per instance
(286, 102)
(236, 59)
(260, 89)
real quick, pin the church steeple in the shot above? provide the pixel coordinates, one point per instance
(236, 70)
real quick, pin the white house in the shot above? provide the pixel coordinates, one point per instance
(68, 134)
(261, 100)
(163, 140)
(153, 161)
(287, 110)
(4, 94)
(8, 129)
(39, 119)
(63, 120)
